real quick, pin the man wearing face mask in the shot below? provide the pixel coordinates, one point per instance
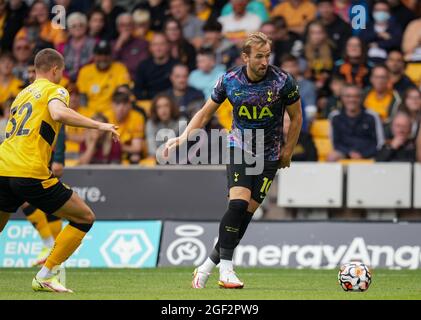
(382, 35)
(97, 81)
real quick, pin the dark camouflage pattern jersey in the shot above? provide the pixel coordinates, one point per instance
(257, 105)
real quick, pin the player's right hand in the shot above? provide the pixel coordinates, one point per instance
(110, 128)
(57, 168)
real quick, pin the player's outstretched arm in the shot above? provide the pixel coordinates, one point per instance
(59, 112)
(200, 119)
(295, 114)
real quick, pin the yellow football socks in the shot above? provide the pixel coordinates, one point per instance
(66, 243)
(39, 221)
(55, 227)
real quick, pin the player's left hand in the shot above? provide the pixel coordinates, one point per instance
(170, 146)
(285, 160)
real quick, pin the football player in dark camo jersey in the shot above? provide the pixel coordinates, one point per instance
(260, 94)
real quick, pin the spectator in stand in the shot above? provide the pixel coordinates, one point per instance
(99, 147)
(79, 49)
(111, 11)
(411, 104)
(290, 64)
(97, 81)
(192, 27)
(152, 75)
(380, 98)
(23, 54)
(207, 73)
(142, 24)
(39, 25)
(305, 149)
(297, 13)
(338, 30)
(396, 65)
(10, 86)
(180, 48)
(131, 127)
(203, 10)
(96, 25)
(269, 29)
(356, 133)
(237, 25)
(164, 119)
(354, 66)
(254, 6)
(136, 105)
(318, 51)
(225, 51)
(158, 11)
(140, 109)
(12, 15)
(187, 98)
(383, 35)
(285, 41)
(336, 84)
(126, 48)
(342, 9)
(401, 148)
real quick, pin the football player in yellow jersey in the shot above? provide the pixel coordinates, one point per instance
(35, 119)
(48, 226)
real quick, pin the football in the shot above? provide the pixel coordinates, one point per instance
(354, 276)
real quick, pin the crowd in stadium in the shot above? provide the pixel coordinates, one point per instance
(145, 65)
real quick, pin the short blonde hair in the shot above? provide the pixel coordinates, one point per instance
(255, 38)
(48, 58)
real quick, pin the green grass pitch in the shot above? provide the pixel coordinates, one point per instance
(174, 284)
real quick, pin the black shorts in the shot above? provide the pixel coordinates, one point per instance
(47, 195)
(258, 184)
(30, 209)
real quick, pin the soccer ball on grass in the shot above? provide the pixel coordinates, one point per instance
(354, 276)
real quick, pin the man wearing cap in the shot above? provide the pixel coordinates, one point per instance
(98, 80)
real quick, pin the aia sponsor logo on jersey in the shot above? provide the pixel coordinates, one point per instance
(255, 113)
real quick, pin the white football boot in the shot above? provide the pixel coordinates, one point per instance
(229, 280)
(199, 279)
